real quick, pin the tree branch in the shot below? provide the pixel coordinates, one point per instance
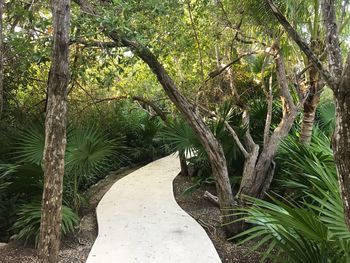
(228, 127)
(89, 43)
(159, 112)
(269, 114)
(218, 71)
(301, 43)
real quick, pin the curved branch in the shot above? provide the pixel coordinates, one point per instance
(301, 43)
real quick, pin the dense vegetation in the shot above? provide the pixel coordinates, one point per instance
(249, 95)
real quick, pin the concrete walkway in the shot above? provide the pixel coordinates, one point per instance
(140, 221)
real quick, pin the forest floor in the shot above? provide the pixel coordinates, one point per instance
(75, 248)
(208, 215)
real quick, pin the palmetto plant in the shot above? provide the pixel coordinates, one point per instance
(146, 144)
(300, 163)
(297, 233)
(311, 228)
(30, 144)
(89, 153)
(179, 137)
(27, 226)
(326, 117)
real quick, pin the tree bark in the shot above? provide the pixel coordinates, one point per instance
(341, 139)
(341, 89)
(1, 59)
(184, 166)
(310, 106)
(55, 135)
(259, 168)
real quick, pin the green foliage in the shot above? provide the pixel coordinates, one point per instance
(312, 227)
(3, 204)
(139, 131)
(88, 154)
(26, 180)
(89, 151)
(30, 145)
(27, 226)
(147, 146)
(326, 117)
(179, 137)
(302, 164)
(297, 233)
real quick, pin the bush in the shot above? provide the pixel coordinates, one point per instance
(27, 226)
(91, 152)
(311, 228)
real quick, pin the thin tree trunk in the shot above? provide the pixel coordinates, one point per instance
(184, 166)
(341, 89)
(55, 135)
(1, 59)
(310, 106)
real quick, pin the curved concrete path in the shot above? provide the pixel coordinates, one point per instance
(140, 222)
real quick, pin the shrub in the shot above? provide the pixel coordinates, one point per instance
(312, 227)
(27, 226)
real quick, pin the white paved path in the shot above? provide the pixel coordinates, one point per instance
(140, 222)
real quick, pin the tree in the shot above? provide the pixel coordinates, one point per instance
(55, 134)
(259, 165)
(212, 146)
(1, 58)
(338, 79)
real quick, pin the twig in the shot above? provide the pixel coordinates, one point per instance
(211, 197)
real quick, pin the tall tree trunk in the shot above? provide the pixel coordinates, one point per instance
(1, 58)
(55, 135)
(310, 106)
(341, 89)
(211, 145)
(341, 139)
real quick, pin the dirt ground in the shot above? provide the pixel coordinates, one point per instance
(208, 215)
